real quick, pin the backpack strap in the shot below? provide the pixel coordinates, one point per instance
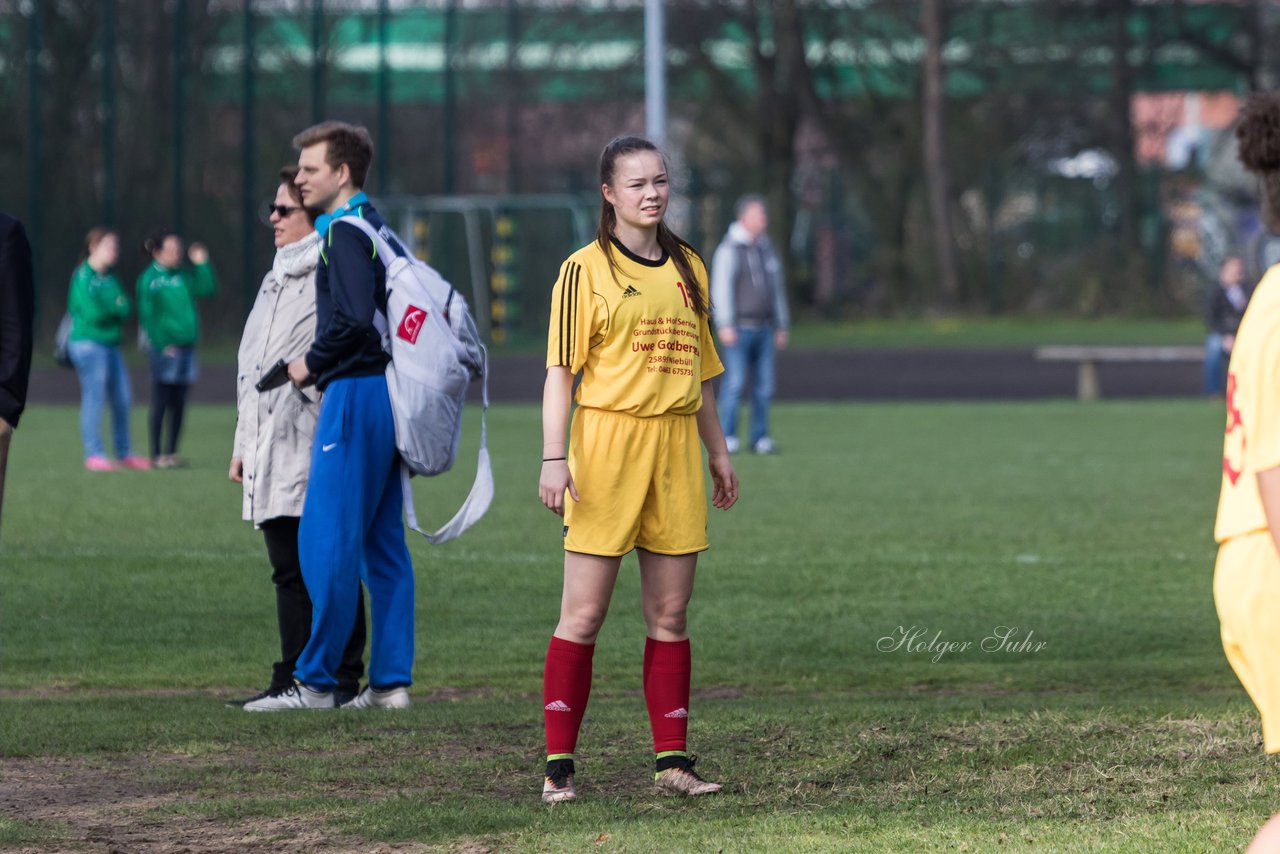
(478, 499)
(382, 250)
(481, 495)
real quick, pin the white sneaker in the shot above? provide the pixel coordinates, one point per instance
(293, 698)
(764, 445)
(370, 698)
(732, 443)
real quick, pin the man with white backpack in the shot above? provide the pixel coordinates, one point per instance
(352, 516)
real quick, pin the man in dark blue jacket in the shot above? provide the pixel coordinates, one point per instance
(17, 318)
(351, 519)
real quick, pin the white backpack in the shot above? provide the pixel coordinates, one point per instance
(435, 353)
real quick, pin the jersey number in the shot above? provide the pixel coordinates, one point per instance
(683, 293)
(1234, 422)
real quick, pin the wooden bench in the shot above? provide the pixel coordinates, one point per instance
(1087, 385)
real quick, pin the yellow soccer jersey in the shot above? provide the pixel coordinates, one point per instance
(1252, 441)
(639, 344)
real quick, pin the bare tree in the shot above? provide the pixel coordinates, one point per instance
(1121, 123)
(769, 115)
(932, 23)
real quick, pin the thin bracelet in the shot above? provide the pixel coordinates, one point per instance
(553, 459)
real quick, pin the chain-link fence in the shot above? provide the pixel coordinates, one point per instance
(178, 114)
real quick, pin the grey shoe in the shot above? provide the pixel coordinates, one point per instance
(369, 698)
(764, 445)
(293, 698)
(732, 443)
(683, 780)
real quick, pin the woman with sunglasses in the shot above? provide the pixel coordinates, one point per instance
(275, 428)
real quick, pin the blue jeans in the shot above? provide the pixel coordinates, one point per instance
(175, 366)
(351, 526)
(1215, 366)
(754, 354)
(102, 376)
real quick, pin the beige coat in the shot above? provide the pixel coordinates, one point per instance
(274, 428)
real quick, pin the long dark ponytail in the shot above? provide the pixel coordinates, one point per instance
(673, 244)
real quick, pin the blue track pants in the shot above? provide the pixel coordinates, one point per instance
(352, 527)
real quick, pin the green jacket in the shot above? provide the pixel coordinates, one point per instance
(167, 303)
(98, 306)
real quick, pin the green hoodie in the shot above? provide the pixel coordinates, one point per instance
(167, 303)
(98, 306)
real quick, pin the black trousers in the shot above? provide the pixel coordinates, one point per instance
(293, 609)
(167, 399)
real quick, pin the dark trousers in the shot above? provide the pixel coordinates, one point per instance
(170, 399)
(293, 609)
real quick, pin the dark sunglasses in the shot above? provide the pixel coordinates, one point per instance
(268, 209)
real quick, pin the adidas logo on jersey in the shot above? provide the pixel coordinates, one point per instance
(559, 706)
(678, 713)
(630, 292)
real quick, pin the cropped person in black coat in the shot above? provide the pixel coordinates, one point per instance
(17, 321)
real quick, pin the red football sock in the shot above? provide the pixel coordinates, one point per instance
(666, 692)
(566, 685)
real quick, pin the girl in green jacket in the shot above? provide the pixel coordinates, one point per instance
(170, 324)
(98, 308)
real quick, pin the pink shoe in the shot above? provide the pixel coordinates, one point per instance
(136, 463)
(99, 463)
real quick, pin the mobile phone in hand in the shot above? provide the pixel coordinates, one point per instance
(274, 378)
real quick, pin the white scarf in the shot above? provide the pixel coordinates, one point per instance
(296, 260)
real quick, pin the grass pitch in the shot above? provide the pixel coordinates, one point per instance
(925, 627)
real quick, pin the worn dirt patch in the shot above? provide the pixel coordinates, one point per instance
(444, 694)
(62, 692)
(108, 806)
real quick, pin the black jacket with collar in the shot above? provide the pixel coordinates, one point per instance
(17, 318)
(350, 288)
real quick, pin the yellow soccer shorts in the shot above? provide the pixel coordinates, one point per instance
(640, 484)
(1246, 591)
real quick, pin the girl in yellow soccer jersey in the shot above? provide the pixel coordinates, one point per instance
(1246, 582)
(629, 312)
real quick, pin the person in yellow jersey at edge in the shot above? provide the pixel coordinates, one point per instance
(1246, 582)
(629, 313)
(1246, 579)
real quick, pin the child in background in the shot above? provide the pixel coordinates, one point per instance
(171, 325)
(1223, 310)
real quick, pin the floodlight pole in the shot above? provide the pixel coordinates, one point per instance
(109, 112)
(248, 188)
(179, 111)
(512, 96)
(317, 61)
(35, 158)
(655, 72)
(384, 99)
(449, 105)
